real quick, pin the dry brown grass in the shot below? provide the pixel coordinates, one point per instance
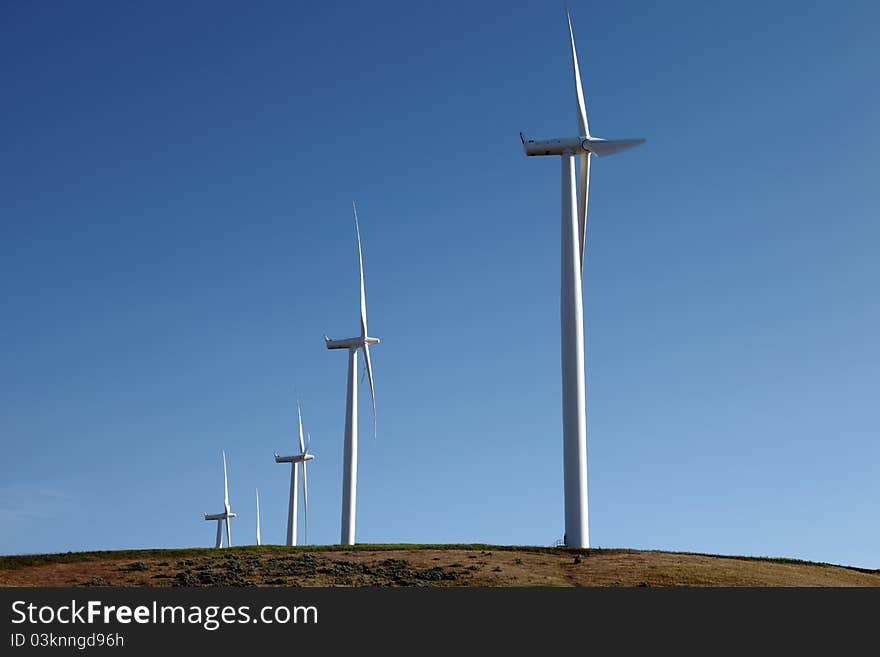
(419, 566)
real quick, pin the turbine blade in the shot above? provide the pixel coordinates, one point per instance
(583, 125)
(305, 506)
(302, 445)
(361, 266)
(228, 534)
(368, 366)
(258, 516)
(583, 194)
(602, 147)
(225, 485)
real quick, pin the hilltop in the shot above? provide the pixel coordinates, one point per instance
(418, 565)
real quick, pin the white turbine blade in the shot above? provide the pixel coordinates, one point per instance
(228, 534)
(583, 125)
(305, 506)
(258, 516)
(602, 147)
(361, 266)
(368, 366)
(225, 485)
(302, 445)
(583, 194)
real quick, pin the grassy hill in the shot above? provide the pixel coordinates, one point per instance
(418, 565)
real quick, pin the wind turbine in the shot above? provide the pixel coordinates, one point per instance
(574, 226)
(226, 515)
(301, 458)
(349, 467)
(258, 516)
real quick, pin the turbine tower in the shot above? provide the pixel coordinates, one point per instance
(226, 515)
(258, 516)
(349, 466)
(300, 458)
(574, 226)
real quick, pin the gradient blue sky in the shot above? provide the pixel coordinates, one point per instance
(176, 235)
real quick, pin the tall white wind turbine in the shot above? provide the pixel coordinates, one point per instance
(295, 459)
(227, 513)
(574, 226)
(363, 341)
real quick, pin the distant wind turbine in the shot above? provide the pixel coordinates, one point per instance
(363, 341)
(300, 458)
(574, 226)
(226, 515)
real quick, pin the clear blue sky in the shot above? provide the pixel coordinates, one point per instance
(176, 235)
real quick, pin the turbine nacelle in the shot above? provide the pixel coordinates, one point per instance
(565, 145)
(296, 458)
(220, 516)
(577, 145)
(350, 343)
